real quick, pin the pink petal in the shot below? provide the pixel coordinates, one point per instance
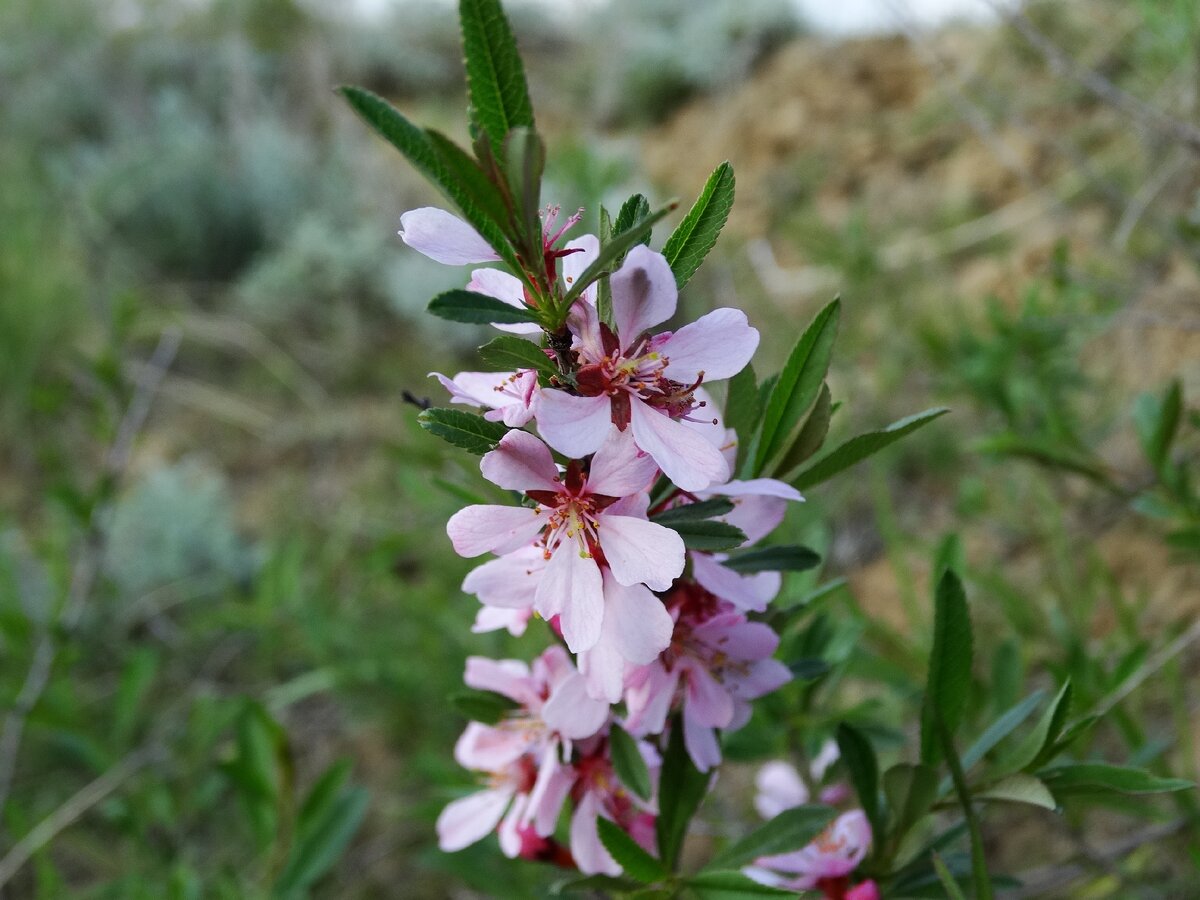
(868, 890)
(509, 830)
(649, 702)
(750, 593)
(574, 426)
(639, 624)
(506, 288)
(618, 468)
(509, 581)
(736, 638)
(603, 668)
(471, 819)
(509, 677)
(572, 713)
(756, 516)
(589, 853)
(641, 551)
(499, 529)
(643, 293)
(572, 584)
(757, 487)
(574, 265)
(486, 748)
(718, 345)
(779, 787)
(521, 462)
(444, 237)
(684, 455)
(707, 701)
(489, 618)
(760, 679)
(554, 783)
(701, 743)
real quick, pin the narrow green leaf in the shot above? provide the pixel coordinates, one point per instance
(707, 535)
(1001, 728)
(798, 385)
(742, 409)
(792, 829)
(910, 791)
(486, 707)
(810, 668)
(604, 289)
(470, 182)
(691, 240)
(637, 863)
(590, 884)
(315, 855)
(479, 309)
(949, 681)
(949, 884)
(859, 757)
(632, 211)
(1019, 788)
(1070, 735)
(1157, 421)
(781, 558)
(496, 86)
(1092, 778)
(628, 762)
(511, 352)
(610, 253)
(136, 681)
(525, 158)
(1046, 453)
(681, 788)
(731, 885)
(1026, 751)
(810, 438)
(980, 877)
(463, 429)
(321, 798)
(864, 445)
(692, 512)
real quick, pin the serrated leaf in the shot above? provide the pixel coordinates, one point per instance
(486, 707)
(610, 253)
(781, 558)
(604, 289)
(525, 160)
(496, 86)
(637, 863)
(1019, 788)
(811, 436)
(864, 445)
(693, 512)
(470, 180)
(681, 788)
(463, 429)
(707, 535)
(1088, 778)
(797, 385)
(510, 352)
(691, 240)
(859, 756)
(632, 212)
(949, 682)
(479, 309)
(731, 885)
(791, 830)
(628, 762)
(1026, 751)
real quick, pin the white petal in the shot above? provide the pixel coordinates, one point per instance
(572, 713)
(640, 625)
(510, 581)
(574, 265)
(619, 468)
(643, 293)
(500, 529)
(572, 584)
(718, 345)
(520, 462)
(471, 818)
(444, 237)
(684, 455)
(574, 426)
(641, 551)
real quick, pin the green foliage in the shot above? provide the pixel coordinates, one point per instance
(790, 829)
(782, 558)
(697, 234)
(467, 430)
(628, 762)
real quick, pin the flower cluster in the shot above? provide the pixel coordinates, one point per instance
(660, 634)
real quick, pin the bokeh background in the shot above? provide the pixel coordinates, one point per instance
(211, 600)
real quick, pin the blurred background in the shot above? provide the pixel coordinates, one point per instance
(229, 620)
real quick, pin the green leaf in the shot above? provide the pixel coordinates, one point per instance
(864, 445)
(628, 762)
(632, 212)
(949, 681)
(1157, 421)
(693, 512)
(486, 707)
(611, 253)
(949, 884)
(479, 309)
(1027, 751)
(810, 438)
(637, 863)
(1000, 729)
(691, 240)
(136, 681)
(315, 854)
(496, 86)
(707, 535)
(590, 884)
(781, 558)
(1019, 788)
(810, 668)
(525, 158)
(511, 352)
(731, 885)
(859, 757)
(797, 386)
(321, 798)
(742, 409)
(604, 289)
(910, 791)
(681, 788)
(470, 182)
(463, 429)
(790, 830)
(1093, 778)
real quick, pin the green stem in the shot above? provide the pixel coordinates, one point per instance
(979, 872)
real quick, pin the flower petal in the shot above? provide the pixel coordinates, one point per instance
(639, 551)
(589, 853)
(499, 529)
(509, 677)
(471, 818)
(718, 345)
(750, 593)
(701, 743)
(554, 782)
(779, 787)
(485, 748)
(684, 455)
(643, 293)
(491, 618)
(572, 585)
(707, 701)
(510, 581)
(640, 625)
(572, 713)
(619, 468)
(444, 237)
(521, 462)
(575, 264)
(574, 426)
(506, 288)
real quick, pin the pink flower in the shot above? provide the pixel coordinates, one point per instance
(717, 662)
(780, 786)
(526, 782)
(599, 794)
(832, 856)
(510, 397)
(582, 521)
(647, 383)
(444, 237)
